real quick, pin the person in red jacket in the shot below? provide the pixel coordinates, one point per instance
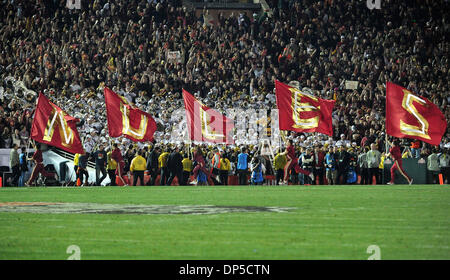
(117, 156)
(292, 163)
(396, 154)
(39, 166)
(200, 164)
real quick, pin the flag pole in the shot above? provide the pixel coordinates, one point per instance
(28, 142)
(385, 143)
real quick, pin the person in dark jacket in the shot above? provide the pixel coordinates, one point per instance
(100, 158)
(175, 166)
(82, 168)
(343, 164)
(128, 157)
(308, 164)
(319, 169)
(23, 166)
(152, 165)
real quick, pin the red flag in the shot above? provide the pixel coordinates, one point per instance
(412, 116)
(125, 119)
(302, 112)
(53, 126)
(206, 124)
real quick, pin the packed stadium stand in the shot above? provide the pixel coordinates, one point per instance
(228, 54)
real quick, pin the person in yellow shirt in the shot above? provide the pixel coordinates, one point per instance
(381, 166)
(224, 168)
(407, 154)
(75, 166)
(137, 167)
(383, 157)
(111, 168)
(162, 163)
(279, 162)
(187, 168)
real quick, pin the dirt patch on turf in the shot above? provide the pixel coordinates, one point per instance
(97, 208)
(26, 203)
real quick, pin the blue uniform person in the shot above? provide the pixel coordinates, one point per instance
(257, 171)
(330, 164)
(242, 166)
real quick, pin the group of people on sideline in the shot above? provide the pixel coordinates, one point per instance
(225, 165)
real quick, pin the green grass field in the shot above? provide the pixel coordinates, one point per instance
(328, 222)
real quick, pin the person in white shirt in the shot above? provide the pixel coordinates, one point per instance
(444, 163)
(89, 144)
(433, 167)
(342, 141)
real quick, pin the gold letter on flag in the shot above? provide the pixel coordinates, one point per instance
(409, 116)
(137, 133)
(298, 107)
(65, 131)
(301, 111)
(47, 119)
(205, 124)
(414, 130)
(127, 120)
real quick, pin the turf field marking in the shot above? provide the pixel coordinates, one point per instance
(14, 203)
(75, 251)
(97, 208)
(375, 251)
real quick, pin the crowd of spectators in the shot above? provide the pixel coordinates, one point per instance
(227, 62)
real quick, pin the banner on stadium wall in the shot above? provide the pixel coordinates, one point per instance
(126, 120)
(303, 112)
(52, 126)
(205, 124)
(411, 116)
